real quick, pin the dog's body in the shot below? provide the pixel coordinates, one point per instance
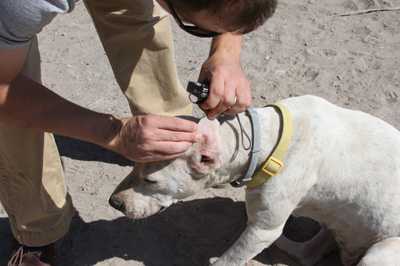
(342, 169)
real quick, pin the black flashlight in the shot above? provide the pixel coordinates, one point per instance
(198, 91)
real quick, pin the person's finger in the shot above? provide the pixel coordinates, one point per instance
(227, 101)
(216, 93)
(175, 136)
(170, 148)
(239, 107)
(243, 100)
(204, 75)
(170, 123)
(159, 157)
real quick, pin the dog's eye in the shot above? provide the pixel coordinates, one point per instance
(205, 159)
(150, 181)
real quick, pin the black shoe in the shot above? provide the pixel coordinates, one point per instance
(33, 256)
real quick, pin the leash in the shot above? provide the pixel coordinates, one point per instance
(255, 148)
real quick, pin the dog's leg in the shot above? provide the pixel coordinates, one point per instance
(308, 253)
(386, 252)
(268, 208)
(251, 242)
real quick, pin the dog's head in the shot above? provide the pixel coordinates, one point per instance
(154, 186)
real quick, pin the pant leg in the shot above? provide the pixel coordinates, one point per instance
(32, 188)
(136, 35)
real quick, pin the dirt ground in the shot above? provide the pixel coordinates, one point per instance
(306, 48)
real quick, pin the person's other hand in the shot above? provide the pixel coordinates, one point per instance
(146, 138)
(229, 88)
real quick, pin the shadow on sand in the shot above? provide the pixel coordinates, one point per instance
(187, 233)
(85, 151)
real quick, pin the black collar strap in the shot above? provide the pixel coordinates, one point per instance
(274, 162)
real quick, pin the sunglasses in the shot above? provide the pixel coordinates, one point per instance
(191, 29)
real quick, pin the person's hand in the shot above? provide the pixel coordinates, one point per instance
(229, 88)
(146, 138)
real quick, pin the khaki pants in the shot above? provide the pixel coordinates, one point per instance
(136, 35)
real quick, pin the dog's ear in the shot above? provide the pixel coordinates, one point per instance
(209, 148)
(210, 144)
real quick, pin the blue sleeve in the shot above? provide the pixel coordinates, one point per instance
(21, 20)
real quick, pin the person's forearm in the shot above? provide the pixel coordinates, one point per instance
(25, 103)
(227, 43)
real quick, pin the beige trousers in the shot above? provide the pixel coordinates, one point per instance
(136, 35)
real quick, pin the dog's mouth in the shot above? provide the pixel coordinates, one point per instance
(135, 215)
(142, 209)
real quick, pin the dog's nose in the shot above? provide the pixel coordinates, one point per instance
(117, 203)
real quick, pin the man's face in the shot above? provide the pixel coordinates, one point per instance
(200, 24)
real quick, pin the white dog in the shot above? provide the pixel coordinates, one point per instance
(342, 168)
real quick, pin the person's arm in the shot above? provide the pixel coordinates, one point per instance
(229, 88)
(25, 103)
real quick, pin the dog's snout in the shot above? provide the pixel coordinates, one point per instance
(117, 203)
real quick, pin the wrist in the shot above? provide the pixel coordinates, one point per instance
(106, 130)
(226, 44)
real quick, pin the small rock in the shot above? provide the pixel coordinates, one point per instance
(311, 74)
(391, 96)
(280, 72)
(361, 65)
(330, 52)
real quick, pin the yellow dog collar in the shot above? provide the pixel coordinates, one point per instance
(274, 163)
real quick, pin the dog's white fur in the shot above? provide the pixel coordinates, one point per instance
(342, 169)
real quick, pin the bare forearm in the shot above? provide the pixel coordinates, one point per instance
(227, 43)
(25, 103)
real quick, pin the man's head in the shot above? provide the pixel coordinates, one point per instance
(237, 16)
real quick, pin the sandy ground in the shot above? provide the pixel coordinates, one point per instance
(305, 49)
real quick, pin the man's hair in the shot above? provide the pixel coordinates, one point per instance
(240, 16)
